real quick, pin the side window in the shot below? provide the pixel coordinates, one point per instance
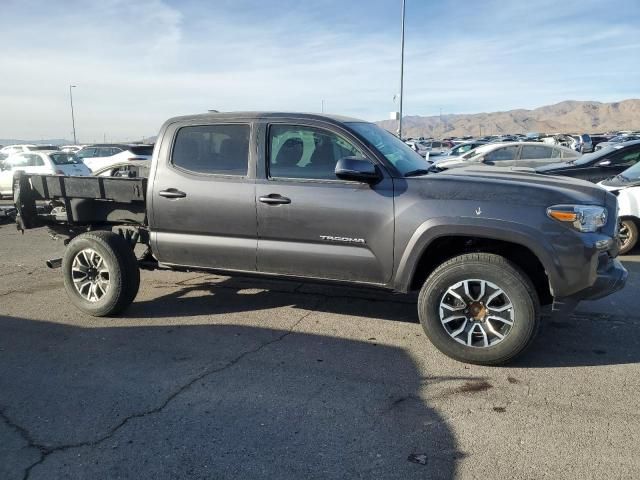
(628, 157)
(34, 160)
(306, 152)
(212, 149)
(531, 152)
(556, 153)
(501, 154)
(87, 153)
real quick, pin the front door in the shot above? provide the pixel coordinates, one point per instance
(203, 211)
(312, 224)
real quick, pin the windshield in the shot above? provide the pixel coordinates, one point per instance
(64, 158)
(395, 150)
(631, 174)
(590, 157)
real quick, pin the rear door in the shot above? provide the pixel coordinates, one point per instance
(311, 223)
(203, 210)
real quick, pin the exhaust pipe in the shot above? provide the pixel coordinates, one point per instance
(54, 263)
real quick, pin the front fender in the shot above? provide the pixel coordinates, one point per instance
(491, 229)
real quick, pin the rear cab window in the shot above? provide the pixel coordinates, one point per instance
(221, 149)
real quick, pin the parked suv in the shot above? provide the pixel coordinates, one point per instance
(336, 199)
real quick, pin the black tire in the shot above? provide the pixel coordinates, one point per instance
(123, 272)
(630, 229)
(488, 268)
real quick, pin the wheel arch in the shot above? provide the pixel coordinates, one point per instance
(439, 240)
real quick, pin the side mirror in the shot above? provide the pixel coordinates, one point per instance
(604, 163)
(357, 169)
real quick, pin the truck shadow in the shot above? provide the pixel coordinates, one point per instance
(214, 401)
(585, 339)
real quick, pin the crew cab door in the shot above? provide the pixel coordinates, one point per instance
(312, 224)
(203, 211)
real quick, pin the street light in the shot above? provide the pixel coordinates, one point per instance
(73, 120)
(401, 73)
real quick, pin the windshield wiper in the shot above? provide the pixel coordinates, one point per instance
(417, 172)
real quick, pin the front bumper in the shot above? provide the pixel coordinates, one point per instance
(611, 276)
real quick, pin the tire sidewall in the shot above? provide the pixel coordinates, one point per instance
(116, 281)
(522, 296)
(633, 235)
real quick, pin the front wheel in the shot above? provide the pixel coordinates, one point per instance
(628, 235)
(101, 274)
(479, 308)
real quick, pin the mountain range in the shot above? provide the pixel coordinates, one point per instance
(564, 117)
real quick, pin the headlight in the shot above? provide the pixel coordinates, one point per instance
(584, 218)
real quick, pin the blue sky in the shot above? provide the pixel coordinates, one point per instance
(137, 63)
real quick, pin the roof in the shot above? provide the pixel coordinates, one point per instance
(212, 116)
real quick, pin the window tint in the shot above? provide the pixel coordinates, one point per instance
(306, 152)
(213, 149)
(142, 150)
(64, 158)
(530, 152)
(501, 154)
(627, 157)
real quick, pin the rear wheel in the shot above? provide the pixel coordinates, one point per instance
(479, 308)
(628, 235)
(101, 274)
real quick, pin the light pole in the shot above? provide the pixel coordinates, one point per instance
(73, 120)
(401, 73)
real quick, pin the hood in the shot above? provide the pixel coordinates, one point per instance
(515, 186)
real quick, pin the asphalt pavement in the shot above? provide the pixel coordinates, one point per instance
(214, 377)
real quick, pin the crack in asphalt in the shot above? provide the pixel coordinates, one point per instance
(45, 451)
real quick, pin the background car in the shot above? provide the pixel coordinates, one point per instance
(515, 154)
(125, 169)
(599, 165)
(98, 156)
(51, 162)
(582, 143)
(626, 186)
(462, 148)
(617, 140)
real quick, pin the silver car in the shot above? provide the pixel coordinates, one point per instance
(514, 154)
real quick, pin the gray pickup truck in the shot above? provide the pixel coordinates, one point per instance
(327, 198)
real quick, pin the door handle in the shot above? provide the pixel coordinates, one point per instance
(275, 199)
(172, 193)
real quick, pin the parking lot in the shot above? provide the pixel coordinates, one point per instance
(212, 377)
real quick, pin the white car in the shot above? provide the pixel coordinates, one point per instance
(11, 149)
(98, 157)
(626, 186)
(51, 162)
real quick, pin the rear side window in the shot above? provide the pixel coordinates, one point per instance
(530, 152)
(87, 152)
(213, 149)
(142, 150)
